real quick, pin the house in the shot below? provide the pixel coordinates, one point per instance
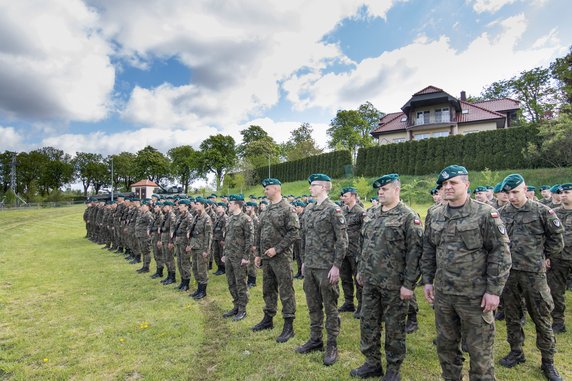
(432, 113)
(144, 188)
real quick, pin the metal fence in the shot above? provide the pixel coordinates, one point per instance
(39, 205)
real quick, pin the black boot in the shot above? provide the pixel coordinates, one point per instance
(512, 359)
(158, 274)
(265, 323)
(367, 371)
(499, 315)
(136, 259)
(184, 285)
(144, 269)
(220, 270)
(392, 375)
(230, 313)
(558, 328)
(287, 331)
(411, 325)
(550, 371)
(331, 355)
(202, 291)
(347, 307)
(170, 279)
(251, 282)
(311, 345)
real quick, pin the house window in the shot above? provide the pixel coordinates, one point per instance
(421, 136)
(398, 140)
(442, 115)
(422, 117)
(440, 134)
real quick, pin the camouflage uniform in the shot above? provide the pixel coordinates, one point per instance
(200, 242)
(354, 218)
(144, 222)
(218, 236)
(239, 239)
(465, 255)
(326, 245)
(561, 268)
(278, 229)
(167, 229)
(156, 237)
(181, 241)
(251, 266)
(392, 248)
(536, 234)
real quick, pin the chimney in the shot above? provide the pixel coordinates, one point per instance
(463, 96)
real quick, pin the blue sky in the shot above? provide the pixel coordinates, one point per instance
(106, 77)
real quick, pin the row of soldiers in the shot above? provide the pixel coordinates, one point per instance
(463, 250)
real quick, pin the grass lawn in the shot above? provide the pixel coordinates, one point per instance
(70, 311)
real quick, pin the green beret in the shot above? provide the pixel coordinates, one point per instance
(555, 188)
(311, 200)
(156, 195)
(375, 198)
(480, 189)
(490, 187)
(135, 199)
(252, 197)
(159, 203)
(120, 195)
(251, 203)
(264, 202)
(348, 190)
(434, 191)
(512, 181)
(530, 188)
(191, 198)
(210, 196)
(184, 201)
(498, 188)
(566, 187)
(450, 172)
(170, 198)
(236, 197)
(201, 200)
(299, 203)
(270, 181)
(544, 187)
(318, 177)
(223, 204)
(168, 203)
(385, 179)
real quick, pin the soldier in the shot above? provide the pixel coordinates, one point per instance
(155, 232)
(546, 196)
(238, 244)
(555, 196)
(142, 234)
(388, 270)
(481, 194)
(560, 266)
(326, 243)
(250, 207)
(374, 203)
(200, 246)
(354, 215)
(275, 235)
(166, 243)
(179, 234)
(535, 235)
(131, 233)
(530, 193)
(501, 198)
(218, 237)
(465, 264)
(299, 207)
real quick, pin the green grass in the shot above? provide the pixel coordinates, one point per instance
(70, 311)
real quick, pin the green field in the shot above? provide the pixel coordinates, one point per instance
(70, 311)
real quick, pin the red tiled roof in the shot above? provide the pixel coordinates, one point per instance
(144, 183)
(476, 113)
(429, 90)
(502, 104)
(391, 122)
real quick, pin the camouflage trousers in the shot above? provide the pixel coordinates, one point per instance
(144, 249)
(251, 268)
(297, 248)
(217, 254)
(236, 277)
(157, 252)
(168, 258)
(462, 316)
(557, 277)
(200, 266)
(382, 306)
(348, 273)
(183, 259)
(277, 280)
(413, 308)
(322, 298)
(539, 304)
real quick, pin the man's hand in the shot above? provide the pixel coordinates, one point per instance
(429, 293)
(270, 252)
(257, 262)
(405, 293)
(170, 245)
(302, 270)
(490, 302)
(205, 254)
(188, 248)
(244, 262)
(334, 275)
(547, 264)
(359, 279)
(223, 259)
(159, 244)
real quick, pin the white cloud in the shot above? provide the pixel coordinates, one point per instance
(10, 139)
(491, 6)
(54, 62)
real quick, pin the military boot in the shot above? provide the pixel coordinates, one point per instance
(158, 273)
(287, 331)
(185, 285)
(251, 281)
(499, 315)
(202, 291)
(558, 328)
(412, 325)
(144, 269)
(136, 259)
(367, 370)
(265, 323)
(239, 316)
(512, 359)
(392, 375)
(347, 307)
(220, 270)
(331, 355)
(311, 345)
(230, 313)
(550, 371)
(170, 279)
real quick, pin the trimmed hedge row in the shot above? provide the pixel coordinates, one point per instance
(495, 150)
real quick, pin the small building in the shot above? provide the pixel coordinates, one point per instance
(432, 113)
(144, 188)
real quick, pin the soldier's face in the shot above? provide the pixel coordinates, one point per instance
(545, 193)
(455, 189)
(502, 197)
(556, 197)
(347, 198)
(530, 195)
(517, 196)
(272, 191)
(388, 194)
(566, 197)
(436, 198)
(481, 196)
(316, 189)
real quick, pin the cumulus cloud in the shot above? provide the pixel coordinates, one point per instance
(54, 62)
(491, 6)
(10, 139)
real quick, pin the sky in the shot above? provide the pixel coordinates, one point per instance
(111, 76)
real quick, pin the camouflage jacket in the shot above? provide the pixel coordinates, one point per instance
(545, 201)
(201, 232)
(326, 237)
(168, 223)
(535, 232)
(144, 220)
(181, 227)
(465, 250)
(219, 227)
(392, 248)
(157, 222)
(239, 236)
(354, 219)
(565, 216)
(278, 228)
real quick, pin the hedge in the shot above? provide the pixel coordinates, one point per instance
(495, 150)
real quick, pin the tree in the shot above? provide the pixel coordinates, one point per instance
(152, 164)
(218, 156)
(5, 169)
(301, 144)
(101, 175)
(535, 90)
(372, 116)
(561, 71)
(555, 147)
(185, 165)
(55, 169)
(124, 170)
(344, 131)
(257, 147)
(85, 166)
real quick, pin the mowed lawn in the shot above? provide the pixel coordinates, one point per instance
(71, 311)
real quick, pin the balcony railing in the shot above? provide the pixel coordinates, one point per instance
(432, 119)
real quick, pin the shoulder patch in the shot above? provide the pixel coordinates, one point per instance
(338, 210)
(494, 215)
(417, 221)
(556, 222)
